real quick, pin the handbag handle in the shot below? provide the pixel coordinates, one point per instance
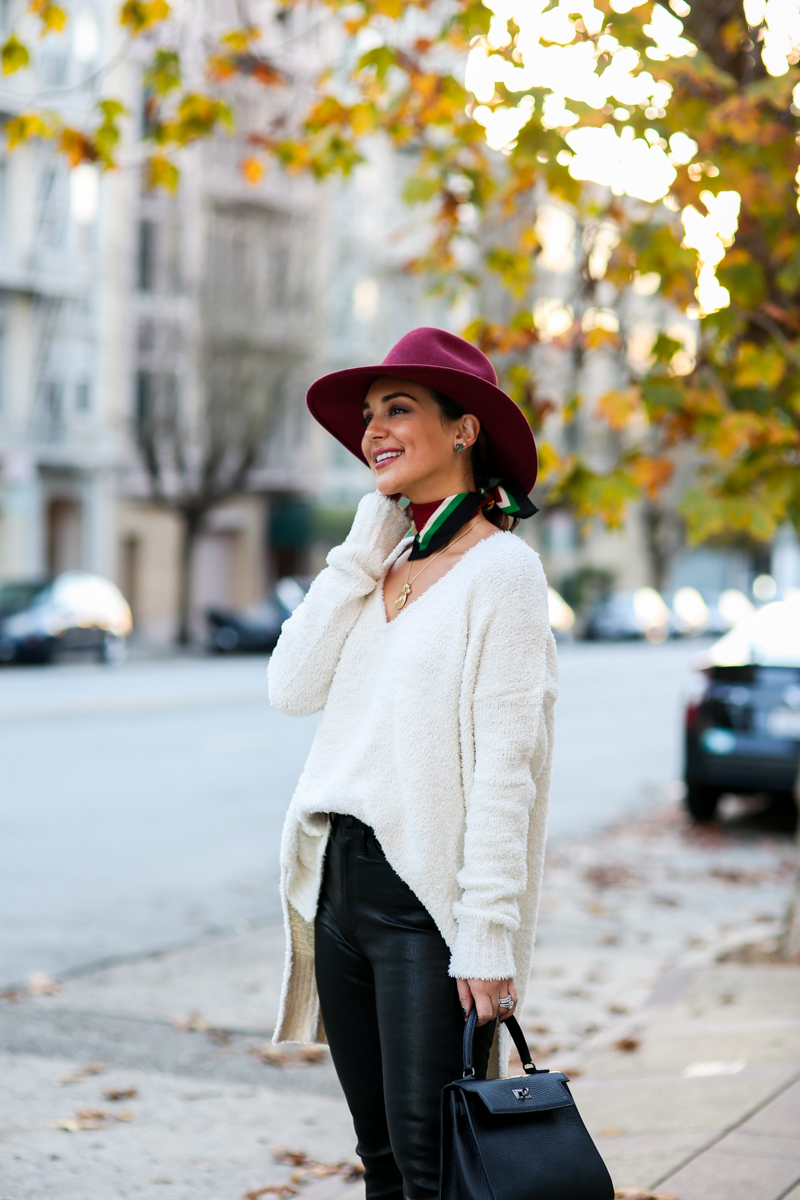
(512, 1025)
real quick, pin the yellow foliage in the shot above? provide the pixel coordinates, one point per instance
(240, 39)
(551, 465)
(252, 169)
(618, 408)
(759, 366)
(76, 147)
(362, 119)
(651, 474)
(736, 433)
(24, 127)
(139, 15)
(14, 55)
(52, 16)
(162, 173)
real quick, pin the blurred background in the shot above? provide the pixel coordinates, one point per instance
(203, 208)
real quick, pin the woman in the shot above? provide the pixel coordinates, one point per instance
(413, 846)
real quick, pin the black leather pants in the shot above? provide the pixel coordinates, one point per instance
(392, 1014)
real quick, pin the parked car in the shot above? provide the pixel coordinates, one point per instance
(627, 615)
(256, 631)
(693, 613)
(75, 613)
(742, 721)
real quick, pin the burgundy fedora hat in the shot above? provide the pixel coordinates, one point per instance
(447, 363)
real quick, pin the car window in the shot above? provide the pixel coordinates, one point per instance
(14, 597)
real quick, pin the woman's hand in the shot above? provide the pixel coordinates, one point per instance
(485, 994)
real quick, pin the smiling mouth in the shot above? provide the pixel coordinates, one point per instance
(386, 456)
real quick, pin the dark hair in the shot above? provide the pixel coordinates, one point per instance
(480, 459)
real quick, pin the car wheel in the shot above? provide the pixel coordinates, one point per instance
(701, 801)
(113, 649)
(226, 639)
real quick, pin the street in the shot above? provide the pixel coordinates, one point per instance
(142, 805)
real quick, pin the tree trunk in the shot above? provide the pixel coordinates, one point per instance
(191, 528)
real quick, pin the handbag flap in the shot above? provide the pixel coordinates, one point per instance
(524, 1093)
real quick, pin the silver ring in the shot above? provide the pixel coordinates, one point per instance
(506, 1002)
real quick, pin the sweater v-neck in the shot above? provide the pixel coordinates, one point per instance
(409, 603)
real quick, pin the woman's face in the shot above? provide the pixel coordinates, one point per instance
(410, 445)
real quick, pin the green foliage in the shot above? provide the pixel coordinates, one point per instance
(164, 73)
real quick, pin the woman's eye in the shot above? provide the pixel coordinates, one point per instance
(397, 408)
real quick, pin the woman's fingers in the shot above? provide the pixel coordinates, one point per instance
(485, 994)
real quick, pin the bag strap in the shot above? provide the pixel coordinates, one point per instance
(512, 1025)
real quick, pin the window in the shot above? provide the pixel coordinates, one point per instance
(53, 206)
(83, 398)
(144, 402)
(146, 266)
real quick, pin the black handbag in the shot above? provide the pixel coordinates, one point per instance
(516, 1139)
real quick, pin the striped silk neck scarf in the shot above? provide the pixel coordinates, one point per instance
(455, 511)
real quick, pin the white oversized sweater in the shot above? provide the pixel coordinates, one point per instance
(436, 730)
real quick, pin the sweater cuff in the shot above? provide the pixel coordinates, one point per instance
(377, 528)
(482, 950)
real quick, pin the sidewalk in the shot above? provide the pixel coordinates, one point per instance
(685, 1068)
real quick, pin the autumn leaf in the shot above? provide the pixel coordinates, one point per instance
(252, 169)
(652, 474)
(618, 407)
(164, 73)
(14, 55)
(161, 173)
(140, 15)
(76, 146)
(26, 126)
(53, 18)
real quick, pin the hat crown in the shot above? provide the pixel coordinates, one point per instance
(432, 347)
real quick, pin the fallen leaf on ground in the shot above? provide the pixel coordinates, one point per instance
(312, 1054)
(618, 1008)
(90, 1118)
(220, 1037)
(271, 1056)
(128, 1093)
(291, 1158)
(273, 1189)
(13, 995)
(90, 1068)
(612, 1131)
(39, 983)
(628, 1044)
(611, 876)
(194, 1023)
(309, 1168)
(639, 1194)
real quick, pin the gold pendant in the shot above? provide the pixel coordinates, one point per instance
(403, 596)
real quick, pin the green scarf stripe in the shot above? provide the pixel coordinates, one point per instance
(437, 519)
(455, 511)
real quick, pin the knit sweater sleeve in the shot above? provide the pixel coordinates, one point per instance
(514, 693)
(303, 662)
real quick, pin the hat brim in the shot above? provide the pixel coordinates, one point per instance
(336, 400)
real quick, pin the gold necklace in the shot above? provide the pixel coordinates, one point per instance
(405, 592)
